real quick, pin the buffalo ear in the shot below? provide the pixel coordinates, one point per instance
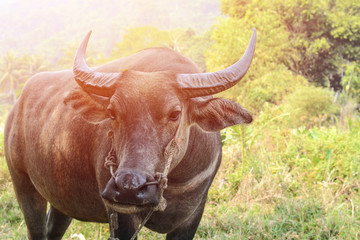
(215, 114)
(90, 107)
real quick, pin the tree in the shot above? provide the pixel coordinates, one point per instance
(324, 34)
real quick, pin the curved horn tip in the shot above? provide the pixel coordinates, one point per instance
(88, 34)
(85, 41)
(253, 34)
(253, 39)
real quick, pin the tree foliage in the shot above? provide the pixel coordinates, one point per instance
(312, 38)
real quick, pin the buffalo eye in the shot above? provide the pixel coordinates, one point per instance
(174, 116)
(111, 114)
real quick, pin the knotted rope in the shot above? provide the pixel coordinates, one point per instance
(110, 162)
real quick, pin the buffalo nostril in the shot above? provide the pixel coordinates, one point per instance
(110, 192)
(142, 190)
(117, 194)
(150, 195)
(110, 195)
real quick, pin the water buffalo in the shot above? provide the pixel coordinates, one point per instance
(150, 116)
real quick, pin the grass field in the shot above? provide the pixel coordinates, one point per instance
(275, 182)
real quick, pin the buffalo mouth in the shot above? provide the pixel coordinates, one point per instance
(131, 193)
(128, 208)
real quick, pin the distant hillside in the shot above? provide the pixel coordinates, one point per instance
(45, 27)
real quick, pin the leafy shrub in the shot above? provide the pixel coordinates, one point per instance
(309, 106)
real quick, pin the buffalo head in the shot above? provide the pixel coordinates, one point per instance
(149, 111)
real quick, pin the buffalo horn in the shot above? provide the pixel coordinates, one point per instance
(98, 83)
(203, 84)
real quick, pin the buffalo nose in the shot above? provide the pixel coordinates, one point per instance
(130, 187)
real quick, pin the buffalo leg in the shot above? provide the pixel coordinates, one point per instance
(57, 223)
(187, 230)
(32, 204)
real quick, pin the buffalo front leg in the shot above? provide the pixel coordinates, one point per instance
(32, 204)
(57, 223)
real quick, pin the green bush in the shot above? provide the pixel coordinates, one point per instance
(309, 106)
